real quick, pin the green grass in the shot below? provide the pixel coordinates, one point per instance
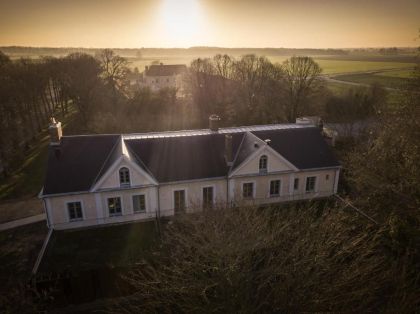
(28, 179)
(407, 73)
(372, 78)
(107, 246)
(329, 66)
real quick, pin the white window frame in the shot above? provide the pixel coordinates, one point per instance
(68, 214)
(186, 197)
(145, 203)
(124, 185)
(122, 206)
(263, 170)
(214, 194)
(315, 190)
(254, 190)
(269, 188)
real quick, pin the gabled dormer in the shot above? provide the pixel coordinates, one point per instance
(122, 170)
(257, 157)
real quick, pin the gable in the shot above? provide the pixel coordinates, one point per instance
(275, 163)
(111, 179)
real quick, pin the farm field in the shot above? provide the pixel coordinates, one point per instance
(329, 66)
(371, 78)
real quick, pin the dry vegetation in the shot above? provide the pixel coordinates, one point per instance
(290, 259)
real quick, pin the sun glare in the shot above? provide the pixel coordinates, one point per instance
(182, 20)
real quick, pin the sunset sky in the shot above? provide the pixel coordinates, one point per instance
(227, 23)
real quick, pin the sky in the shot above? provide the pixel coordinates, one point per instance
(222, 23)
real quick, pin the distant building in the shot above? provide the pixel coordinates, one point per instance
(162, 75)
(104, 179)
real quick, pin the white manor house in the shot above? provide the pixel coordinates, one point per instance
(102, 179)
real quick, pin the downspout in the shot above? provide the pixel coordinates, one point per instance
(46, 213)
(227, 191)
(158, 199)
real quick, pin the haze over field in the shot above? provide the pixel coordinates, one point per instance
(184, 23)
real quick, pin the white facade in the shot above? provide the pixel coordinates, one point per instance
(159, 199)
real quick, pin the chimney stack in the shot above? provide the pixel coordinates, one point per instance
(55, 132)
(214, 122)
(228, 149)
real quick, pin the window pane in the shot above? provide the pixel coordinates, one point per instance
(263, 164)
(310, 184)
(248, 190)
(296, 184)
(139, 203)
(114, 205)
(124, 176)
(275, 187)
(208, 197)
(179, 199)
(75, 210)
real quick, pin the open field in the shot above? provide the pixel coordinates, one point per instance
(329, 66)
(371, 78)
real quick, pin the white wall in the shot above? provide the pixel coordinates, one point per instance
(274, 163)
(137, 178)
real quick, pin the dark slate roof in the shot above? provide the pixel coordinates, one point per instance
(78, 163)
(305, 147)
(168, 157)
(165, 69)
(184, 158)
(249, 144)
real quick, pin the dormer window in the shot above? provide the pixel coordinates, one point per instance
(263, 164)
(124, 177)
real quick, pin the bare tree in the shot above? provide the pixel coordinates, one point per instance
(302, 75)
(114, 70)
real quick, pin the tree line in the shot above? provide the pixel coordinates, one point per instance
(96, 89)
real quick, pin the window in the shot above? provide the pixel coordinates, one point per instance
(139, 203)
(263, 164)
(179, 201)
(275, 188)
(208, 197)
(75, 211)
(296, 184)
(248, 190)
(114, 206)
(124, 177)
(310, 184)
(327, 177)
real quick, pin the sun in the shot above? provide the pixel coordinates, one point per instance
(182, 20)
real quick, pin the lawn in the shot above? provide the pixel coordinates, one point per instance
(18, 253)
(371, 78)
(28, 179)
(106, 246)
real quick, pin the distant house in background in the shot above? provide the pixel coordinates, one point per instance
(162, 75)
(102, 179)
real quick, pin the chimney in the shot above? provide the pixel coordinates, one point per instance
(214, 122)
(228, 149)
(55, 132)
